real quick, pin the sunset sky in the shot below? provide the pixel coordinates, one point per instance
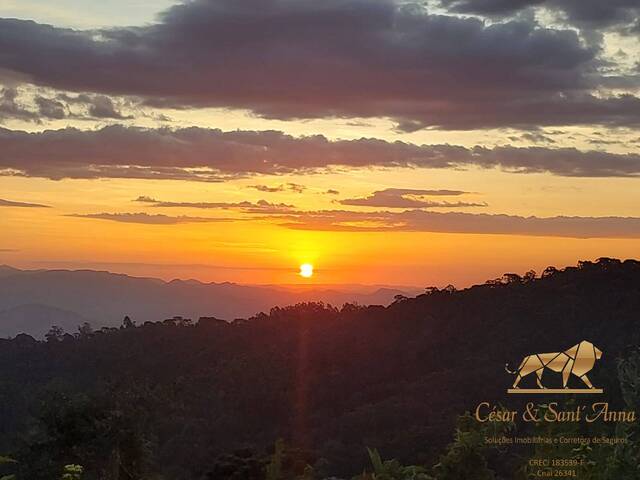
(384, 142)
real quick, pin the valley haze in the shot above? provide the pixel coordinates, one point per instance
(31, 301)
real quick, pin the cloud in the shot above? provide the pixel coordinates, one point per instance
(291, 187)
(587, 14)
(102, 106)
(409, 198)
(50, 108)
(291, 59)
(9, 203)
(212, 155)
(535, 137)
(454, 222)
(331, 191)
(147, 219)
(259, 206)
(489, 7)
(25, 104)
(412, 220)
(96, 106)
(10, 107)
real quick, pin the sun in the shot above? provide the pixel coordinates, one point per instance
(306, 270)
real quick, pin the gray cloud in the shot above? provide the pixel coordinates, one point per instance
(36, 107)
(96, 106)
(147, 219)
(50, 108)
(348, 58)
(535, 137)
(9, 203)
(213, 155)
(409, 198)
(489, 7)
(587, 14)
(454, 222)
(284, 187)
(11, 108)
(259, 206)
(102, 106)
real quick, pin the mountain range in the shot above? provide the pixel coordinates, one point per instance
(31, 301)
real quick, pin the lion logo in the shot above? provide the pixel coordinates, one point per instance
(577, 360)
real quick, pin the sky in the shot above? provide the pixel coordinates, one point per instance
(385, 142)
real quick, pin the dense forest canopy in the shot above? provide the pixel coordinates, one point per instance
(182, 399)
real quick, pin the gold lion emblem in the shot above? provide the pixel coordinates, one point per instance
(577, 360)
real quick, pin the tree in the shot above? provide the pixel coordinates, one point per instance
(7, 461)
(625, 461)
(85, 330)
(105, 434)
(128, 323)
(392, 469)
(466, 457)
(55, 334)
(72, 472)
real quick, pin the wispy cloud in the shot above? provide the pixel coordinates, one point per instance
(259, 206)
(10, 203)
(586, 14)
(283, 187)
(414, 220)
(409, 198)
(147, 219)
(454, 222)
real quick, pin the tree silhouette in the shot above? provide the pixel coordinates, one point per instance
(55, 334)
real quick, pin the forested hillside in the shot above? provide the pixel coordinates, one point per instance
(181, 399)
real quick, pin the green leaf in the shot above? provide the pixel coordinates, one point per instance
(376, 460)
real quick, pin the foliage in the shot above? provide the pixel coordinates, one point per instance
(466, 457)
(72, 472)
(625, 461)
(102, 433)
(7, 461)
(392, 470)
(55, 334)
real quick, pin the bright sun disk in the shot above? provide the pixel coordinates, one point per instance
(306, 270)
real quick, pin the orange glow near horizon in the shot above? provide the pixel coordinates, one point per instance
(250, 250)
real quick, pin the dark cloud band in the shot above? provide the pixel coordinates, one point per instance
(213, 155)
(308, 59)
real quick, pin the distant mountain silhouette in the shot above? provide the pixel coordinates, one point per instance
(37, 319)
(6, 270)
(104, 298)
